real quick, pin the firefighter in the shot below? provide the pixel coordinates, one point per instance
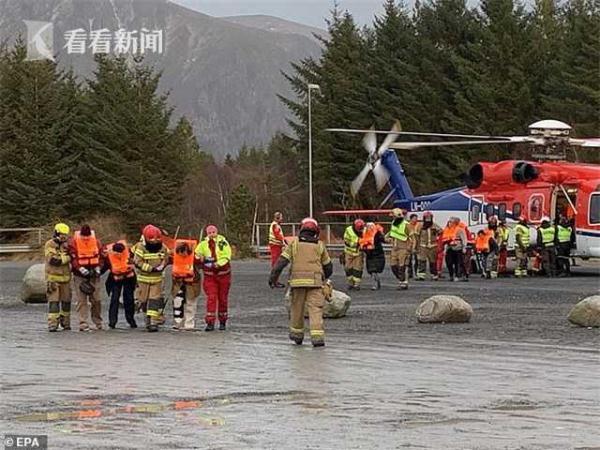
(311, 267)
(413, 228)
(353, 257)
(214, 254)
(186, 285)
(58, 278)
(276, 240)
(522, 237)
(399, 237)
(491, 260)
(86, 263)
(455, 238)
(546, 235)
(150, 257)
(502, 237)
(565, 239)
(121, 280)
(427, 246)
(371, 243)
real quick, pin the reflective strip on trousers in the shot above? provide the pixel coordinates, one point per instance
(150, 279)
(58, 278)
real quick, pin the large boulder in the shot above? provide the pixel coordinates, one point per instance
(444, 309)
(586, 313)
(33, 289)
(335, 308)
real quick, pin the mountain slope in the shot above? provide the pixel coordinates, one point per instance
(275, 24)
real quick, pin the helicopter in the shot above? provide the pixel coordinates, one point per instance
(547, 187)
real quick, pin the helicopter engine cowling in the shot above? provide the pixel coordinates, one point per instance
(489, 174)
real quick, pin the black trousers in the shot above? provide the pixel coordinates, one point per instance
(563, 254)
(455, 262)
(127, 287)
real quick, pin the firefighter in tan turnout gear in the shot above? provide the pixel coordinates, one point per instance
(310, 268)
(401, 247)
(58, 278)
(427, 247)
(150, 257)
(353, 257)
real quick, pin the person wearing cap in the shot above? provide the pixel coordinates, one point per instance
(58, 278)
(150, 258)
(86, 264)
(310, 269)
(546, 236)
(214, 256)
(353, 257)
(522, 238)
(399, 237)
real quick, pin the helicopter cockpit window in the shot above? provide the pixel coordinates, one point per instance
(502, 211)
(516, 211)
(489, 210)
(536, 207)
(475, 211)
(595, 209)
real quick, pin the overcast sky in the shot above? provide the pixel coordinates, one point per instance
(309, 12)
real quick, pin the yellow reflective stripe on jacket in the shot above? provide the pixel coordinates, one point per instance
(351, 241)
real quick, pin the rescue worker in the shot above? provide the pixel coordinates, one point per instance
(456, 247)
(276, 240)
(214, 254)
(186, 285)
(502, 237)
(86, 263)
(371, 243)
(310, 268)
(427, 245)
(482, 248)
(353, 257)
(522, 237)
(413, 227)
(491, 260)
(469, 251)
(399, 237)
(441, 250)
(58, 278)
(546, 235)
(150, 257)
(121, 280)
(565, 239)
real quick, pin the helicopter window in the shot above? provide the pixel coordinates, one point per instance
(502, 211)
(516, 211)
(536, 207)
(595, 208)
(489, 210)
(475, 211)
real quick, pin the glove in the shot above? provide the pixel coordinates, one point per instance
(55, 262)
(159, 268)
(84, 272)
(98, 271)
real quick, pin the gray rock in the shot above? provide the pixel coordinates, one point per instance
(444, 309)
(334, 309)
(586, 313)
(33, 289)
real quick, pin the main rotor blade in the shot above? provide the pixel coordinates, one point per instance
(359, 180)
(588, 143)
(414, 133)
(411, 145)
(369, 143)
(381, 175)
(390, 138)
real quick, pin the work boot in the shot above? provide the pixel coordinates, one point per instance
(279, 285)
(210, 327)
(296, 338)
(222, 326)
(318, 343)
(112, 326)
(435, 278)
(153, 328)
(357, 287)
(132, 324)
(52, 329)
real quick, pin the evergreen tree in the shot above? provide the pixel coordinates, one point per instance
(239, 218)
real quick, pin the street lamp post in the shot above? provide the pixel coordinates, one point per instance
(310, 186)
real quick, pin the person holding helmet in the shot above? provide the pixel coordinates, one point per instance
(58, 278)
(522, 237)
(310, 268)
(214, 254)
(353, 257)
(86, 263)
(546, 235)
(150, 257)
(427, 247)
(401, 246)
(276, 239)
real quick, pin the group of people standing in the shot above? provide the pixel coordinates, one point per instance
(75, 264)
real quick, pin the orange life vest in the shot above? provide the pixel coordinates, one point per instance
(86, 248)
(367, 241)
(119, 262)
(449, 233)
(183, 263)
(482, 243)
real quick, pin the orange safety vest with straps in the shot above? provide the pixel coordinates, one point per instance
(119, 262)
(183, 262)
(482, 243)
(86, 248)
(367, 241)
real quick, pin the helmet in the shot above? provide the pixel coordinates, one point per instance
(397, 213)
(427, 215)
(545, 219)
(359, 224)
(62, 228)
(309, 223)
(151, 233)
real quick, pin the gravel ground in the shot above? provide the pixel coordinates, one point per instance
(519, 376)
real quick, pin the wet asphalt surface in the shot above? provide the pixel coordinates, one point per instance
(518, 376)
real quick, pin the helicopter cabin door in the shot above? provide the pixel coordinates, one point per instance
(564, 199)
(476, 210)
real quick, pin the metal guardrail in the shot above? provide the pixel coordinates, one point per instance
(21, 248)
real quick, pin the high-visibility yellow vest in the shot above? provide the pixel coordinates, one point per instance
(523, 231)
(273, 240)
(548, 235)
(503, 235)
(222, 250)
(564, 234)
(399, 232)
(351, 242)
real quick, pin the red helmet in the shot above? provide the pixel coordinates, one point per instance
(359, 224)
(309, 223)
(151, 233)
(427, 214)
